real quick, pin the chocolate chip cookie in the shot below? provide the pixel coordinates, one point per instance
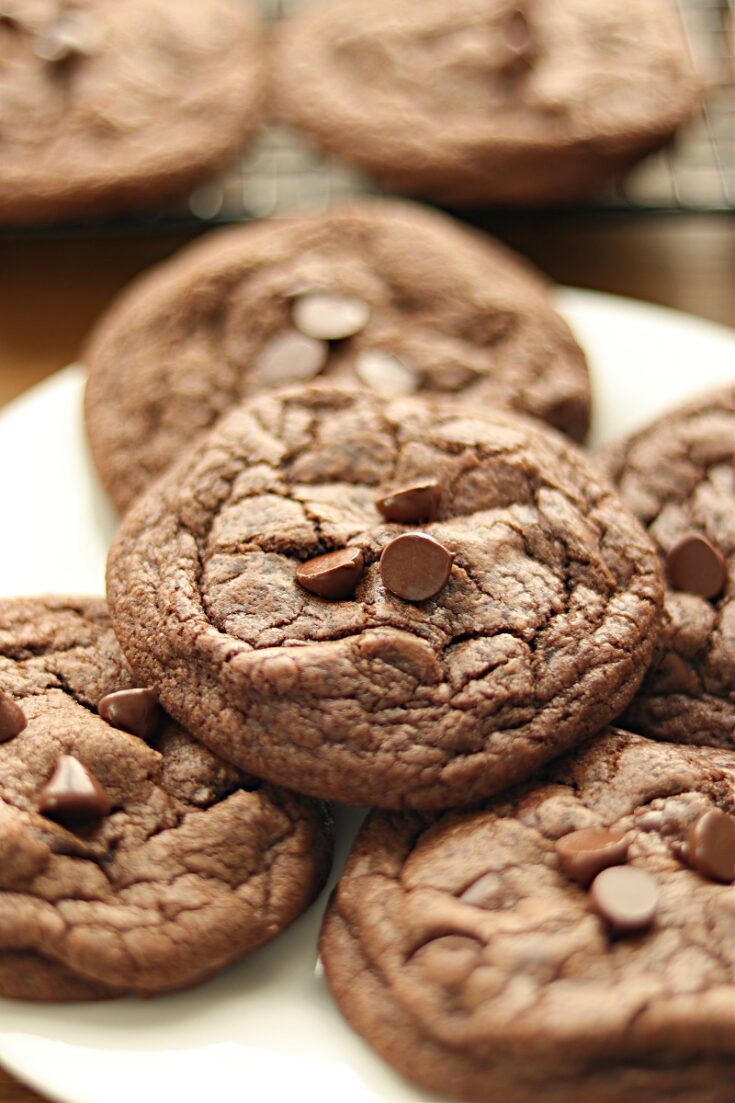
(110, 105)
(678, 477)
(262, 589)
(569, 941)
(383, 294)
(131, 859)
(487, 101)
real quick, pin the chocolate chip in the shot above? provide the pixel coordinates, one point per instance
(385, 373)
(73, 34)
(329, 317)
(625, 897)
(711, 846)
(289, 357)
(132, 710)
(415, 566)
(334, 575)
(12, 718)
(519, 44)
(583, 854)
(517, 33)
(73, 793)
(695, 565)
(411, 504)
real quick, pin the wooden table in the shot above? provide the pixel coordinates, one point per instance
(52, 291)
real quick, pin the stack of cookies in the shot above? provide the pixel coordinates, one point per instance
(363, 558)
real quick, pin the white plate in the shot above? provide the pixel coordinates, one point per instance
(265, 1030)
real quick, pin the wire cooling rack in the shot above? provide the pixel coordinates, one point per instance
(282, 173)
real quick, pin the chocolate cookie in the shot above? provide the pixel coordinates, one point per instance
(678, 477)
(383, 294)
(287, 595)
(483, 962)
(110, 105)
(487, 101)
(131, 859)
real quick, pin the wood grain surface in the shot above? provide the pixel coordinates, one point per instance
(51, 292)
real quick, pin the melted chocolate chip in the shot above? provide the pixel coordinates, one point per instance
(519, 43)
(290, 357)
(411, 504)
(132, 710)
(73, 794)
(710, 846)
(415, 566)
(625, 897)
(12, 718)
(334, 575)
(71, 35)
(583, 854)
(696, 566)
(385, 373)
(329, 317)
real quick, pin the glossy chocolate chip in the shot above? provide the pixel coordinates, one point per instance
(290, 357)
(136, 711)
(329, 317)
(583, 854)
(415, 566)
(71, 35)
(625, 897)
(696, 566)
(710, 846)
(334, 575)
(12, 718)
(411, 504)
(73, 793)
(384, 373)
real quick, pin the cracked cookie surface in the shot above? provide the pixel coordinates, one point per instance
(466, 956)
(678, 476)
(540, 636)
(449, 312)
(477, 101)
(194, 865)
(109, 105)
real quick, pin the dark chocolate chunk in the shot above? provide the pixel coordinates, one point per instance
(290, 357)
(334, 575)
(415, 566)
(583, 854)
(625, 897)
(73, 794)
(710, 846)
(12, 718)
(132, 710)
(329, 317)
(695, 565)
(383, 372)
(411, 504)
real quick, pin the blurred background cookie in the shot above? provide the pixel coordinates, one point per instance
(110, 106)
(487, 101)
(383, 294)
